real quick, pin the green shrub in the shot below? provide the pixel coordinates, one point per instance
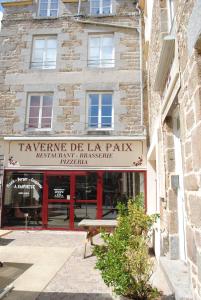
(123, 259)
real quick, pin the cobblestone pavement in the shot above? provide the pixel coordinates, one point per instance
(63, 275)
(59, 270)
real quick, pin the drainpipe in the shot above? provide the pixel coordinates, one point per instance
(79, 7)
(141, 64)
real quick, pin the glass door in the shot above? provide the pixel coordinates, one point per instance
(59, 201)
(86, 195)
(70, 198)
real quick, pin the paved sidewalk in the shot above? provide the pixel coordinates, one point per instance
(58, 269)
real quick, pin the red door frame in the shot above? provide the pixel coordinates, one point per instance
(72, 174)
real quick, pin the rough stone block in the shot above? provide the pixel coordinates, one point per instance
(191, 182)
(191, 246)
(190, 119)
(196, 142)
(199, 265)
(170, 160)
(174, 246)
(172, 200)
(195, 210)
(189, 165)
(197, 100)
(173, 222)
(188, 148)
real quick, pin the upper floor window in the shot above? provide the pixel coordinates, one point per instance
(48, 8)
(101, 51)
(40, 111)
(100, 7)
(44, 52)
(100, 110)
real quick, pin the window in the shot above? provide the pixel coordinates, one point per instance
(48, 8)
(40, 111)
(44, 53)
(100, 111)
(100, 7)
(101, 51)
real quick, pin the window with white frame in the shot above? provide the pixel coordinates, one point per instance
(100, 7)
(40, 111)
(44, 52)
(48, 8)
(100, 110)
(101, 51)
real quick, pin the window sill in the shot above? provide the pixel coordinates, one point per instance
(101, 15)
(99, 129)
(28, 130)
(101, 68)
(44, 18)
(42, 70)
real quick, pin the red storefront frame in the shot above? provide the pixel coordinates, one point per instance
(72, 174)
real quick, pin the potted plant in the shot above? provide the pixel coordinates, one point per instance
(123, 258)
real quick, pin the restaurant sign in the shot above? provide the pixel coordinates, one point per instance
(128, 154)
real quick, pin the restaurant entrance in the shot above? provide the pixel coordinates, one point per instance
(61, 199)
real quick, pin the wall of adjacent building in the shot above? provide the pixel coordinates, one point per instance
(184, 98)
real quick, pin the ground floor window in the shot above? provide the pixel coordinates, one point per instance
(61, 199)
(23, 199)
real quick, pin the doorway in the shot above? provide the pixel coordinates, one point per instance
(69, 198)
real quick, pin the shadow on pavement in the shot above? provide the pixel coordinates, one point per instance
(11, 271)
(25, 295)
(5, 242)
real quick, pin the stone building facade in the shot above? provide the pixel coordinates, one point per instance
(71, 109)
(174, 154)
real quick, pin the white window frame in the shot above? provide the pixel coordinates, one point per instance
(43, 64)
(48, 9)
(101, 8)
(100, 93)
(100, 63)
(41, 95)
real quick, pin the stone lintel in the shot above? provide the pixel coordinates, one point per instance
(17, 3)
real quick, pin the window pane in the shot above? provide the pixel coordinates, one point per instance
(107, 41)
(106, 2)
(94, 53)
(47, 100)
(33, 122)
(93, 99)
(46, 123)
(37, 55)
(47, 112)
(43, 6)
(106, 111)
(93, 122)
(106, 121)
(43, 1)
(39, 43)
(106, 10)
(94, 42)
(35, 101)
(106, 99)
(34, 112)
(53, 13)
(93, 111)
(51, 43)
(53, 6)
(43, 13)
(51, 55)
